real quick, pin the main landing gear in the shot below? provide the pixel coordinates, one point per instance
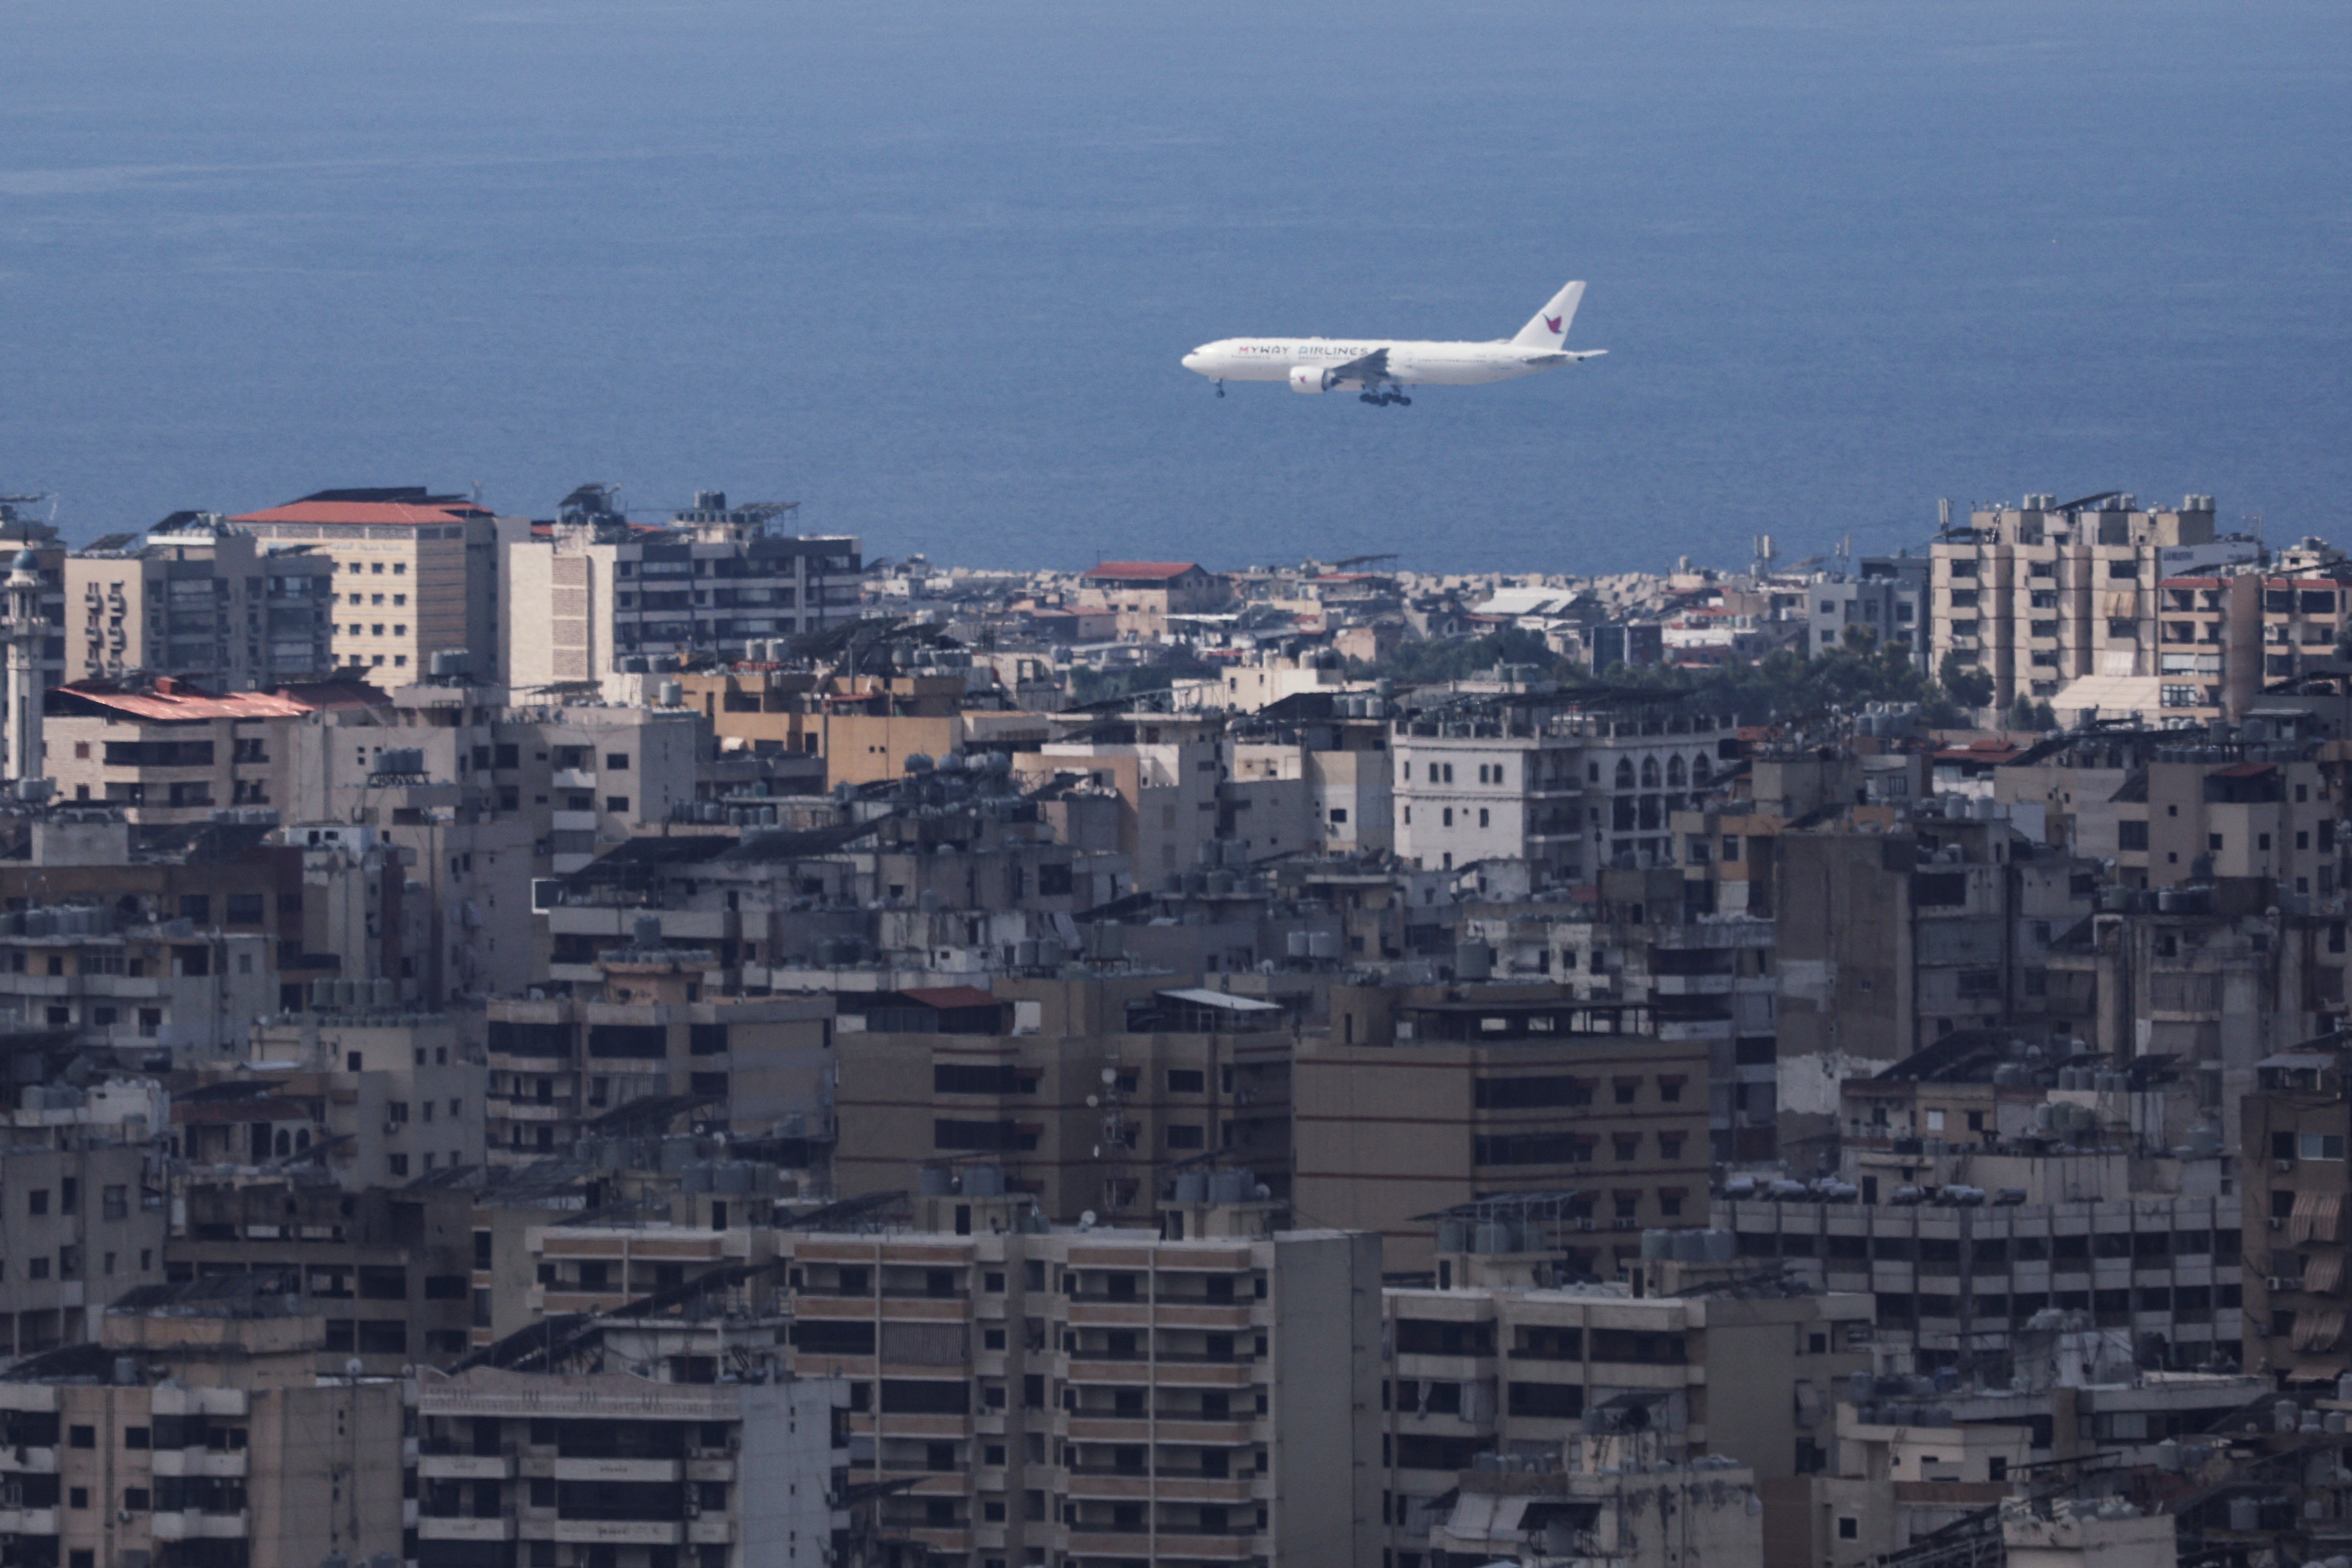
(1379, 398)
(1221, 389)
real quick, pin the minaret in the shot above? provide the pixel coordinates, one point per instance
(27, 635)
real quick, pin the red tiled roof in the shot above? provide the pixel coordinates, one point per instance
(1129, 570)
(948, 997)
(380, 512)
(2245, 771)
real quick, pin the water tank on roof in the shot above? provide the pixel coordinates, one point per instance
(984, 1182)
(385, 994)
(1323, 944)
(1296, 944)
(732, 1177)
(697, 1177)
(1232, 1187)
(347, 993)
(1453, 1235)
(676, 1153)
(1024, 954)
(933, 1182)
(1657, 1246)
(1722, 1245)
(1472, 960)
(1490, 1235)
(644, 931)
(1192, 1187)
(918, 763)
(1220, 883)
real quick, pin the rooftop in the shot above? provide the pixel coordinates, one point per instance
(402, 504)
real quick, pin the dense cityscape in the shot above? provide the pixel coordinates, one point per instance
(611, 1040)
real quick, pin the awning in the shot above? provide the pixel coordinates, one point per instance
(1224, 1000)
(2318, 1328)
(2322, 1273)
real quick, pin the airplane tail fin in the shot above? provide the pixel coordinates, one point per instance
(1548, 330)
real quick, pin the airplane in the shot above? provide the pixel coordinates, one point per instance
(1383, 370)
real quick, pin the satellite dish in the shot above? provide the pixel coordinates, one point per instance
(1086, 1218)
(353, 1367)
(1110, 1075)
(1093, 1100)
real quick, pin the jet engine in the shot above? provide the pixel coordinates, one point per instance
(1311, 378)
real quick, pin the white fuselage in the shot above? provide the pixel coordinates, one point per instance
(1409, 363)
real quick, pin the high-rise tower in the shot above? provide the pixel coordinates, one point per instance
(26, 631)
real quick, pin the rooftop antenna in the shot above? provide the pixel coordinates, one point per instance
(1944, 514)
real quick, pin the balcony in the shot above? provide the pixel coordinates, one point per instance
(456, 1467)
(192, 1526)
(18, 1461)
(30, 1521)
(622, 1532)
(574, 778)
(434, 1527)
(581, 1469)
(710, 1530)
(198, 1462)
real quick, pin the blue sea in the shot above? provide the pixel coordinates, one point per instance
(928, 268)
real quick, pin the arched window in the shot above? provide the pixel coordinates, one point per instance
(1676, 776)
(1625, 773)
(1700, 770)
(1649, 772)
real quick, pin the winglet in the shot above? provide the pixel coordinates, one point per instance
(1548, 328)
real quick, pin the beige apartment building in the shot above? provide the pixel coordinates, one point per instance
(1694, 1363)
(596, 598)
(168, 750)
(198, 1433)
(201, 600)
(1099, 1398)
(588, 1468)
(652, 1032)
(1420, 1098)
(1080, 1091)
(2039, 595)
(77, 1227)
(415, 575)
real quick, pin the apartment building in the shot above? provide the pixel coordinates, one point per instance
(415, 572)
(1080, 1089)
(1589, 1504)
(201, 600)
(580, 1468)
(1895, 932)
(1698, 1364)
(1420, 1097)
(1104, 1396)
(165, 750)
(384, 1270)
(1566, 792)
(1886, 597)
(596, 590)
(197, 1433)
(81, 1204)
(2295, 1125)
(2038, 595)
(382, 1095)
(2209, 659)
(1144, 595)
(653, 1031)
(170, 937)
(1703, 979)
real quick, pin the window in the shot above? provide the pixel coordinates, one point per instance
(616, 762)
(616, 803)
(1849, 1528)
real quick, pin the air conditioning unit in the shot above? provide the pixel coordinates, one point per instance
(1588, 1222)
(2283, 1167)
(2277, 1223)
(390, 1128)
(2277, 1282)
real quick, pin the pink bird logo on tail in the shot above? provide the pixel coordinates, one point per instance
(1551, 324)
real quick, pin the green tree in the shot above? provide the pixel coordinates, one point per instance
(1970, 686)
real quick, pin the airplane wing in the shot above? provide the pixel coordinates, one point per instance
(1547, 361)
(1369, 370)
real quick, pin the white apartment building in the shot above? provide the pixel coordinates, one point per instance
(596, 589)
(1566, 791)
